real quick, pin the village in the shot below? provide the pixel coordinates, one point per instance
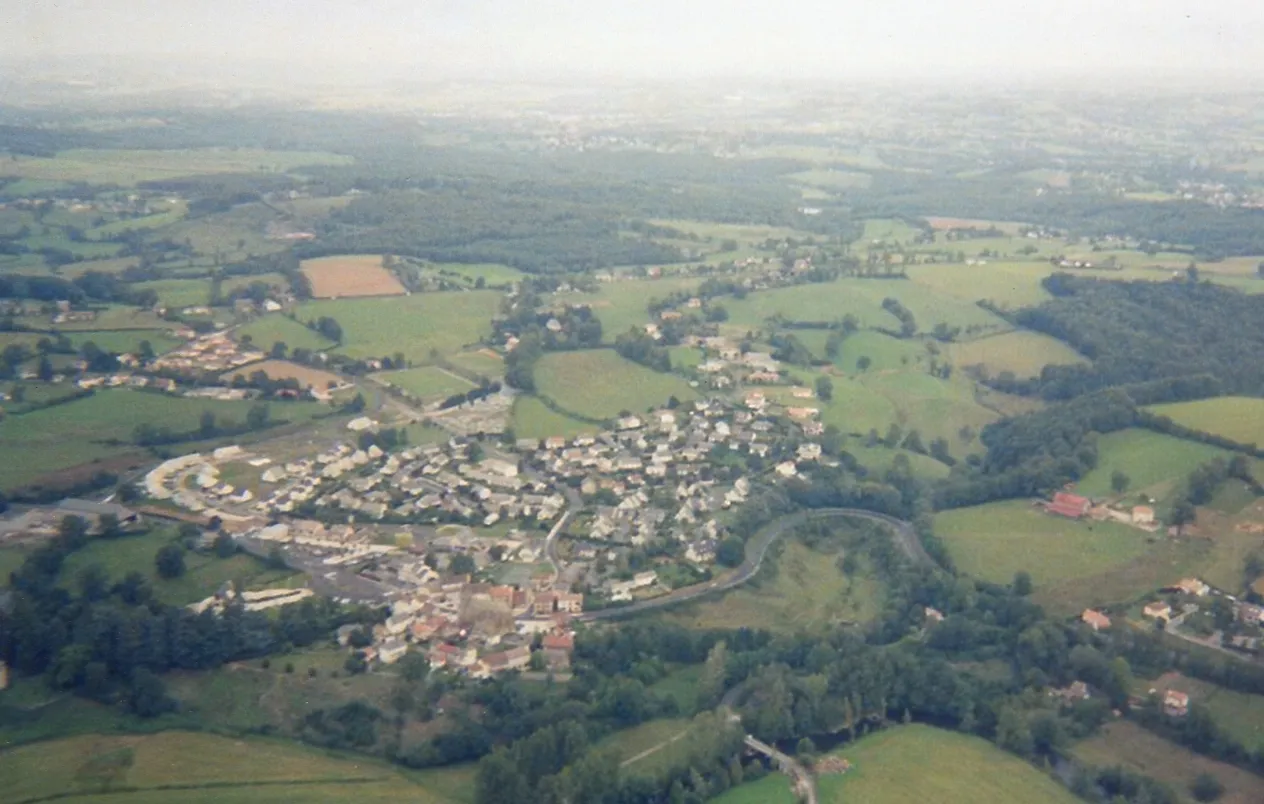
(479, 548)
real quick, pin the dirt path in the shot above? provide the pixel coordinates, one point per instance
(653, 750)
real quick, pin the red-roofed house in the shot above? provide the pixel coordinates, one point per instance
(1071, 506)
(557, 650)
(1095, 619)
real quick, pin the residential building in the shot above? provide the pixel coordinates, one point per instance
(1175, 703)
(1095, 620)
(1157, 610)
(1071, 506)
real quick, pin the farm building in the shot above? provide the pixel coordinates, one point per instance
(1095, 619)
(1157, 610)
(1071, 506)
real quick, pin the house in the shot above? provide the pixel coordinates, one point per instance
(361, 424)
(1157, 610)
(802, 413)
(345, 632)
(1175, 703)
(934, 615)
(499, 467)
(557, 649)
(1143, 515)
(1095, 620)
(445, 655)
(1193, 586)
(809, 452)
(1071, 506)
(1076, 692)
(787, 469)
(392, 651)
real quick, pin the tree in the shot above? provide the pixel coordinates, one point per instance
(863, 363)
(1119, 482)
(109, 526)
(1207, 787)
(730, 552)
(1022, 584)
(45, 370)
(461, 564)
(356, 663)
(170, 561)
(714, 677)
(499, 781)
(148, 695)
(257, 417)
(72, 532)
(278, 350)
(825, 388)
(1183, 513)
(224, 546)
(206, 426)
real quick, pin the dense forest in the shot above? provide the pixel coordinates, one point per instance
(1135, 332)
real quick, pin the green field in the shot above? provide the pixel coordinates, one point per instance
(994, 541)
(126, 341)
(884, 352)
(491, 273)
(1154, 462)
(636, 746)
(808, 592)
(479, 364)
(179, 293)
(533, 419)
(1008, 284)
(427, 382)
(600, 384)
(102, 425)
(1238, 713)
(887, 230)
(273, 328)
(154, 221)
(918, 764)
(1127, 744)
(772, 789)
(622, 305)
(1023, 352)
(1237, 418)
(414, 325)
(830, 301)
(129, 167)
(201, 767)
(681, 684)
(204, 575)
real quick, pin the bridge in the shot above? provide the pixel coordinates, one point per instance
(804, 784)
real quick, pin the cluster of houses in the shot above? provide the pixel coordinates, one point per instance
(476, 629)
(1074, 506)
(215, 352)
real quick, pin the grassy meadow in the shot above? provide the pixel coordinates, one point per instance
(414, 325)
(1129, 745)
(127, 167)
(533, 419)
(426, 382)
(1238, 418)
(917, 764)
(270, 329)
(204, 574)
(136, 769)
(1022, 352)
(622, 305)
(806, 592)
(600, 384)
(102, 425)
(1153, 462)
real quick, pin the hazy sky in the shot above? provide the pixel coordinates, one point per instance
(794, 38)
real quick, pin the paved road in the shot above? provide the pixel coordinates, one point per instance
(804, 785)
(757, 547)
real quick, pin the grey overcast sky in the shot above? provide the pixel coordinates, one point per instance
(840, 39)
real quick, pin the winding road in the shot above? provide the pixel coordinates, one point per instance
(757, 547)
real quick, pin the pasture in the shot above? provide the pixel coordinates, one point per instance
(807, 591)
(1230, 545)
(887, 231)
(136, 769)
(1154, 462)
(307, 376)
(1022, 352)
(885, 353)
(413, 325)
(173, 213)
(642, 747)
(427, 382)
(350, 275)
(276, 328)
(621, 305)
(490, 273)
(102, 425)
(1127, 744)
(179, 293)
(127, 167)
(204, 574)
(126, 341)
(1238, 713)
(996, 540)
(830, 301)
(483, 363)
(533, 419)
(228, 236)
(1008, 284)
(600, 384)
(1238, 418)
(772, 789)
(916, 764)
